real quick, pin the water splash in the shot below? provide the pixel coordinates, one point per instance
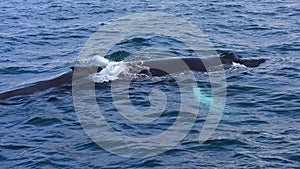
(110, 72)
(238, 65)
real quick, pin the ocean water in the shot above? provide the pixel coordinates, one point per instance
(260, 125)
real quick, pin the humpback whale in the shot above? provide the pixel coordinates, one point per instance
(170, 65)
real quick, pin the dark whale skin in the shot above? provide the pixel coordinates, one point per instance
(170, 65)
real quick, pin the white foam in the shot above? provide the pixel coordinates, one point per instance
(94, 61)
(238, 65)
(110, 72)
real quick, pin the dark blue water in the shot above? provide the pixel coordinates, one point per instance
(260, 127)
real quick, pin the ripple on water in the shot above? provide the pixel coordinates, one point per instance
(39, 121)
(259, 129)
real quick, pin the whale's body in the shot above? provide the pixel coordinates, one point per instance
(160, 67)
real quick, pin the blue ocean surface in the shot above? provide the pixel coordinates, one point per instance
(260, 125)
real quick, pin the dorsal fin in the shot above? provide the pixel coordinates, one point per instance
(230, 55)
(79, 67)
